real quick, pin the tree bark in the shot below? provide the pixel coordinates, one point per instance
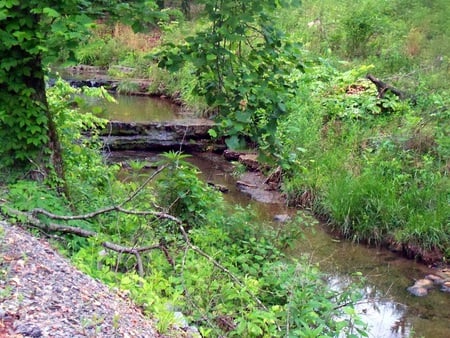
(37, 82)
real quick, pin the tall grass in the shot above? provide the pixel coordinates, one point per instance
(377, 170)
(406, 41)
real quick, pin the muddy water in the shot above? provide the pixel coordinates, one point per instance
(137, 109)
(387, 307)
(141, 109)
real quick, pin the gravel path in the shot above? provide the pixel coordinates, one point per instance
(42, 295)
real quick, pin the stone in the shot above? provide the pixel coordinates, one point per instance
(421, 287)
(417, 291)
(282, 218)
(29, 330)
(231, 155)
(445, 287)
(250, 161)
(424, 283)
(435, 279)
(190, 135)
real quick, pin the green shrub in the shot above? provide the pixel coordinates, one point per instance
(100, 52)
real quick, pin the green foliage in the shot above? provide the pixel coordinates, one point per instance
(183, 194)
(23, 118)
(252, 294)
(375, 167)
(27, 195)
(127, 87)
(405, 40)
(32, 33)
(101, 53)
(82, 160)
(242, 65)
(295, 297)
(361, 27)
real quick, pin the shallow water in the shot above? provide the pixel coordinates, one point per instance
(387, 307)
(141, 109)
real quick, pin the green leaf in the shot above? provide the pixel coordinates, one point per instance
(9, 3)
(50, 12)
(243, 116)
(236, 143)
(212, 133)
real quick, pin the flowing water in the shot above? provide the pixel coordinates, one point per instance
(387, 307)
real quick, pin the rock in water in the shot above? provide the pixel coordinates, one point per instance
(420, 287)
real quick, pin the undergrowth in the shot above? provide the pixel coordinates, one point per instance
(225, 272)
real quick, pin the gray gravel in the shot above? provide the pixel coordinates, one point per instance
(42, 295)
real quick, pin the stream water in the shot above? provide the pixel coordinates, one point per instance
(387, 307)
(141, 109)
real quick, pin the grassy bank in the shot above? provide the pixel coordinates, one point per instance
(377, 169)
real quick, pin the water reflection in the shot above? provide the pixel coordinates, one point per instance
(385, 317)
(139, 109)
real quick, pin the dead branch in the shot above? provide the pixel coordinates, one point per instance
(34, 221)
(383, 88)
(31, 219)
(118, 207)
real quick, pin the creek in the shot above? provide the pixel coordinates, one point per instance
(388, 308)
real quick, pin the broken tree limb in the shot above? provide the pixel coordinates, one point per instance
(383, 88)
(118, 207)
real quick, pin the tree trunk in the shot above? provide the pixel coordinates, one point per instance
(27, 126)
(37, 82)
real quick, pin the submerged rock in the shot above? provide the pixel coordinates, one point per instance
(445, 287)
(435, 279)
(422, 286)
